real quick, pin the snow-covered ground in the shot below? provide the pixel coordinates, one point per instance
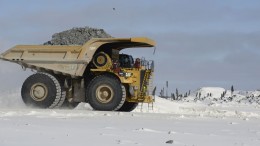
(189, 122)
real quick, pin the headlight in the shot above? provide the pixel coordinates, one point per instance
(125, 74)
(128, 74)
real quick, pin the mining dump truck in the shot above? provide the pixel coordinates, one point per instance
(95, 73)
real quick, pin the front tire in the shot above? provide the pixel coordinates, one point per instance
(128, 106)
(42, 90)
(105, 93)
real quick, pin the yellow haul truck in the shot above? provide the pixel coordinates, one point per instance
(95, 73)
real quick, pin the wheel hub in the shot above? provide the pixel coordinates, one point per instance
(104, 94)
(39, 92)
(101, 59)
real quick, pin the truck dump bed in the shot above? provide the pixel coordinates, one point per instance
(67, 60)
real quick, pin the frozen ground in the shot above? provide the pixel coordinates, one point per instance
(198, 123)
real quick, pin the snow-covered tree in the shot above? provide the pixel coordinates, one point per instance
(177, 93)
(232, 90)
(173, 96)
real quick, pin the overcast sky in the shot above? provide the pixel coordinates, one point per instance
(199, 42)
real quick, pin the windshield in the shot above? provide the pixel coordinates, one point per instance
(126, 61)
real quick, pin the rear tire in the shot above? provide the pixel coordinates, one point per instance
(61, 80)
(128, 106)
(105, 93)
(42, 90)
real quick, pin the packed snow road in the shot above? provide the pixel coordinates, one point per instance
(79, 127)
(177, 123)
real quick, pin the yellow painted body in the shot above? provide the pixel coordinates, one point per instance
(67, 60)
(72, 61)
